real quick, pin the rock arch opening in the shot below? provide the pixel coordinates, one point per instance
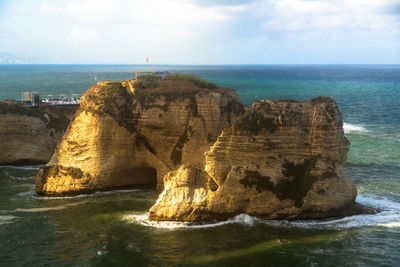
(139, 177)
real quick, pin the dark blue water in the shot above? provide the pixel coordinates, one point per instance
(111, 229)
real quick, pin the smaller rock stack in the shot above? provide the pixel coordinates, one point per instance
(281, 160)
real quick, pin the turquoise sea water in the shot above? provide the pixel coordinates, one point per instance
(110, 229)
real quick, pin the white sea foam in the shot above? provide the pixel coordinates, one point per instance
(30, 167)
(142, 219)
(48, 208)
(391, 224)
(389, 217)
(352, 128)
(378, 202)
(6, 219)
(27, 194)
(13, 177)
(99, 193)
(18, 178)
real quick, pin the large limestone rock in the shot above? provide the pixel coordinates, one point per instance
(281, 160)
(120, 139)
(29, 135)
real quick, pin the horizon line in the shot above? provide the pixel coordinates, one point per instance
(197, 64)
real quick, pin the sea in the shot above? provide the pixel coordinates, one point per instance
(111, 228)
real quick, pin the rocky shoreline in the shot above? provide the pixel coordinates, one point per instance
(29, 135)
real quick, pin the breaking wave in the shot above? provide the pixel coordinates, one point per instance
(17, 178)
(7, 219)
(351, 128)
(142, 219)
(8, 173)
(389, 217)
(99, 193)
(30, 167)
(47, 208)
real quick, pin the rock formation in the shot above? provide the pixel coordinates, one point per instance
(211, 157)
(29, 135)
(121, 139)
(281, 160)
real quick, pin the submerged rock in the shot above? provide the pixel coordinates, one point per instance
(281, 160)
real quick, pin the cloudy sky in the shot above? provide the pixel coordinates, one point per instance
(202, 31)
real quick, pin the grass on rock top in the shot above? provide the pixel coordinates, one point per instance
(150, 87)
(174, 86)
(202, 83)
(106, 91)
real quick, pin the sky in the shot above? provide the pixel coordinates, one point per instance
(202, 31)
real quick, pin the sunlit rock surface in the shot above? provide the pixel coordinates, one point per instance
(209, 156)
(122, 139)
(281, 160)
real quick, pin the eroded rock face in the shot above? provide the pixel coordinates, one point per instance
(281, 160)
(121, 140)
(29, 135)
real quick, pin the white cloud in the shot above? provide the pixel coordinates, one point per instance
(91, 10)
(79, 35)
(134, 21)
(195, 31)
(298, 7)
(300, 15)
(150, 11)
(45, 8)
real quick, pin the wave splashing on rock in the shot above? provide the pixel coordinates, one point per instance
(389, 217)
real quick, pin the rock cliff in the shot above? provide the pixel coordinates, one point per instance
(131, 135)
(29, 135)
(211, 157)
(281, 160)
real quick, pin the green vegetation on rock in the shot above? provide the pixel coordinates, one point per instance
(149, 77)
(108, 91)
(202, 83)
